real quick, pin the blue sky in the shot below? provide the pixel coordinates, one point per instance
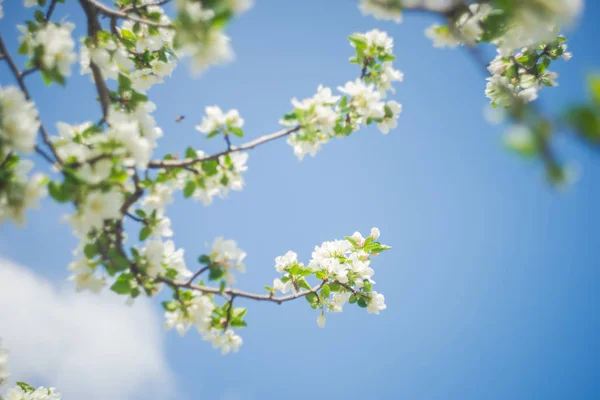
(492, 284)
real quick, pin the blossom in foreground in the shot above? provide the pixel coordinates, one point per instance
(18, 120)
(26, 392)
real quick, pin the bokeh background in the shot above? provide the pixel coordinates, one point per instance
(493, 283)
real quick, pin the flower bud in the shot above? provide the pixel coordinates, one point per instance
(375, 233)
(321, 320)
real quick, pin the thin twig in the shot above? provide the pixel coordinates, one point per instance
(250, 145)
(109, 12)
(50, 10)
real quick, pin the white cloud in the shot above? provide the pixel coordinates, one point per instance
(87, 346)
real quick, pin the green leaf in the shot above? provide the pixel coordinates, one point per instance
(352, 299)
(312, 298)
(362, 303)
(290, 116)
(215, 273)
(190, 153)
(90, 250)
(367, 287)
(169, 305)
(237, 132)
(213, 134)
(359, 40)
(352, 241)
(59, 192)
(210, 167)
(140, 213)
(594, 84)
(189, 189)
(124, 82)
(325, 291)
(204, 259)
(26, 387)
(303, 284)
(144, 233)
(122, 285)
(39, 16)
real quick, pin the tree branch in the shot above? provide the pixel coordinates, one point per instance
(250, 145)
(50, 10)
(93, 27)
(109, 12)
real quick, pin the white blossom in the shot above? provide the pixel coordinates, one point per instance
(229, 256)
(287, 260)
(59, 47)
(84, 277)
(380, 11)
(21, 193)
(216, 119)
(390, 121)
(321, 320)
(161, 256)
(227, 341)
(18, 120)
(96, 208)
(376, 304)
(95, 172)
(375, 233)
(364, 99)
(41, 393)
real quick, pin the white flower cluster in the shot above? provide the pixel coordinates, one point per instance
(282, 265)
(344, 266)
(227, 341)
(536, 21)
(521, 75)
(18, 120)
(230, 257)
(41, 393)
(391, 10)
(162, 256)
(98, 206)
(142, 53)
(20, 192)
(201, 33)
(197, 312)
(324, 116)
(217, 121)
(83, 275)
(136, 131)
(215, 177)
(466, 29)
(51, 46)
(503, 93)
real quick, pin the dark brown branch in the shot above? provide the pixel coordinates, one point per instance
(93, 28)
(51, 9)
